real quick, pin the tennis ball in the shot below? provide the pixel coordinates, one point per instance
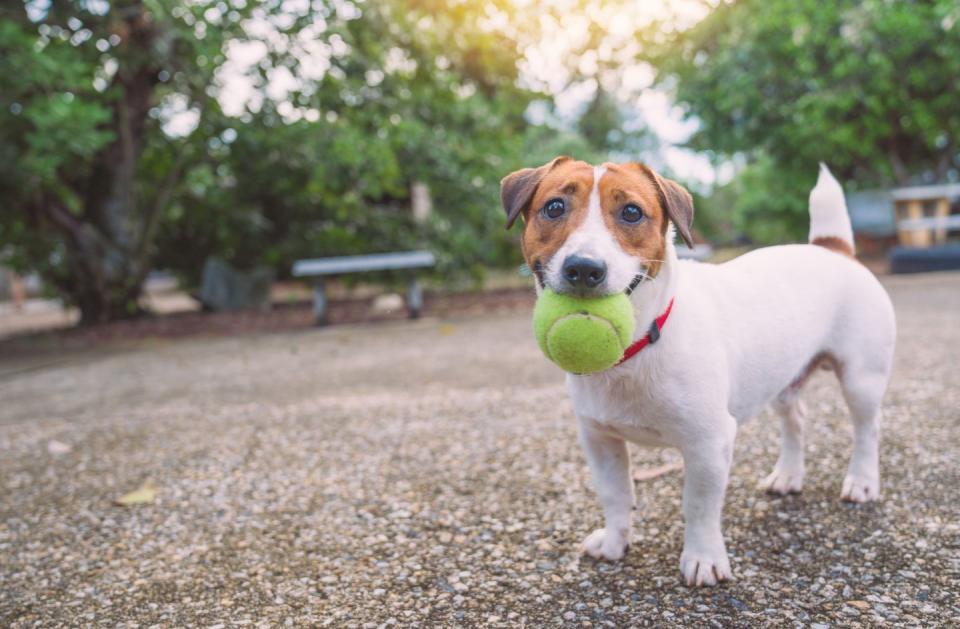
(583, 335)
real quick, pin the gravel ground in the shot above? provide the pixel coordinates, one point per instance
(427, 474)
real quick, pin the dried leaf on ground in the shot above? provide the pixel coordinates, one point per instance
(145, 495)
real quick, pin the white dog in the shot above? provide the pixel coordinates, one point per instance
(718, 342)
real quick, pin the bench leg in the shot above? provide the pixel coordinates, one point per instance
(320, 303)
(414, 298)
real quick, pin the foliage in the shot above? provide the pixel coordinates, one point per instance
(103, 179)
(399, 105)
(80, 83)
(99, 191)
(869, 86)
(605, 127)
(866, 86)
(764, 206)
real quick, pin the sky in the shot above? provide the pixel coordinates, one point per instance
(654, 106)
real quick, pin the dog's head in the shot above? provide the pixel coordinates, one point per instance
(592, 230)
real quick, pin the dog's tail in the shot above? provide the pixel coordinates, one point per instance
(829, 221)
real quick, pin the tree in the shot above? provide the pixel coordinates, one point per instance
(80, 87)
(411, 97)
(759, 203)
(602, 121)
(98, 191)
(868, 86)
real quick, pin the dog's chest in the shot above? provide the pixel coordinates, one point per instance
(626, 406)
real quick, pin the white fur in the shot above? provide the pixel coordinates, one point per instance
(828, 209)
(738, 337)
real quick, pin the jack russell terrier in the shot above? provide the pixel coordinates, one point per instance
(718, 342)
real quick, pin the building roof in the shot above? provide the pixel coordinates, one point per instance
(926, 193)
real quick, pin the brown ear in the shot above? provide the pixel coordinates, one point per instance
(676, 201)
(517, 188)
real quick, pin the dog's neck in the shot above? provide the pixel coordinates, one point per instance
(651, 297)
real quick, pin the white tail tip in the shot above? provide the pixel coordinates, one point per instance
(828, 209)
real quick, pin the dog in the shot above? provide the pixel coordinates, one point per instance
(719, 342)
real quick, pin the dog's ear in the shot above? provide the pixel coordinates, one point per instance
(676, 201)
(517, 188)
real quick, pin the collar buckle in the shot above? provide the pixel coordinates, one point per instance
(654, 333)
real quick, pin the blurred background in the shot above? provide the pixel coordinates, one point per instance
(158, 153)
(181, 179)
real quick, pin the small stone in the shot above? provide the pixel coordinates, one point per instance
(57, 448)
(384, 304)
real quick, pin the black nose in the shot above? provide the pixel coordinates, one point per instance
(583, 272)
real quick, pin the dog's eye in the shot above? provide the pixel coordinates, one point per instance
(631, 213)
(554, 208)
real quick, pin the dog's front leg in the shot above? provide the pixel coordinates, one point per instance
(609, 462)
(706, 469)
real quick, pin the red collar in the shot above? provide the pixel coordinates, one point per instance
(651, 337)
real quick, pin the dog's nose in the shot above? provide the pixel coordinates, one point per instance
(582, 272)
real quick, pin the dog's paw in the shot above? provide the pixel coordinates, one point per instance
(860, 489)
(606, 544)
(783, 481)
(705, 568)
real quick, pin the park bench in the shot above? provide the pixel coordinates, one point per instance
(320, 268)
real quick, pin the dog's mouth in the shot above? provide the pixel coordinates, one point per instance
(538, 273)
(637, 279)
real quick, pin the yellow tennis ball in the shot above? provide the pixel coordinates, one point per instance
(583, 335)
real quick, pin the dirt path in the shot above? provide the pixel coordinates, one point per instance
(427, 474)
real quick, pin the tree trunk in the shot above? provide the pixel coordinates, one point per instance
(901, 175)
(89, 282)
(109, 242)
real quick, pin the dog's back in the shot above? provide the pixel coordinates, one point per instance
(784, 309)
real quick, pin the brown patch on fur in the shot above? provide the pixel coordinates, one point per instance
(823, 360)
(517, 188)
(675, 201)
(526, 191)
(646, 240)
(835, 244)
(571, 181)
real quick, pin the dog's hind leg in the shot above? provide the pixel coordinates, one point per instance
(787, 475)
(863, 390)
